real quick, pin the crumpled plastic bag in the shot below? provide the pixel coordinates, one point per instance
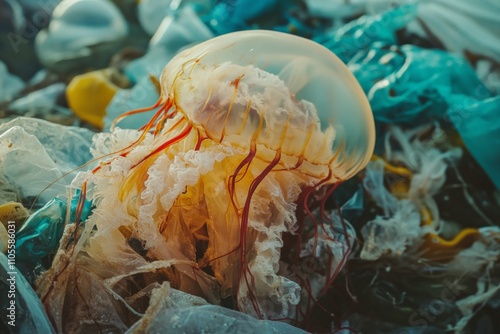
(427, 162)
(401, 82)
(173, 311)
(8, 193)
(461, 25)
(403, 86)
(216, 320)
(181, 28)
(360, 34)
(233, 15)
(43, 99)
(177, 30)
(34, 153)
(399, 230)
(454, 24)
(393, 233)
(39, 236)
(480, 260)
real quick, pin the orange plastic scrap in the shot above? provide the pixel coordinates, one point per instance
(437, 248)
(398, 170)
(399, 184)
(399, 188)
(426, 216)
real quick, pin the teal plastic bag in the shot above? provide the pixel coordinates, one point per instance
(360, 34)
(479, 126)
(413, 85)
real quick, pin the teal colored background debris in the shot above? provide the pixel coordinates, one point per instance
(39, 236)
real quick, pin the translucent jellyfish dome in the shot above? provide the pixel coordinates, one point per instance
(310, 102)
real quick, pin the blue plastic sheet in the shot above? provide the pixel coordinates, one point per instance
(403, 84)
(479, 126)
(39, 236)
(360, 34)
(234, 15)
(412, 85)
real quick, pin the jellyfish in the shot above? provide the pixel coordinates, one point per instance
(215, 193)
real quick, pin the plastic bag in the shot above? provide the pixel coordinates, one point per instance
(478, 123)
(34, 153)
(403, 85)
(173, 311)
(360, 34)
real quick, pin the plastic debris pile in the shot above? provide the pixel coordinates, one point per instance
(165, 220)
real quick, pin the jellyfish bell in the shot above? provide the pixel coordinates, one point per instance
(249, 126)
(301, 90)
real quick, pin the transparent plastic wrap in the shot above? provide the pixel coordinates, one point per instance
(392, 234)
(34, 153)
(457, 25)
(405, 220)
(175, 311)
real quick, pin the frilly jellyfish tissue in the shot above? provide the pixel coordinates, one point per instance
(216, 194)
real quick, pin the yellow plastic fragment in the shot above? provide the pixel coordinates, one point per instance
(426, 217)
(440, 249)
(89, 95)
(437, 248)
(4, 239)
(13, 211)
(399, 188)
(398, 179)
(402, 171)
